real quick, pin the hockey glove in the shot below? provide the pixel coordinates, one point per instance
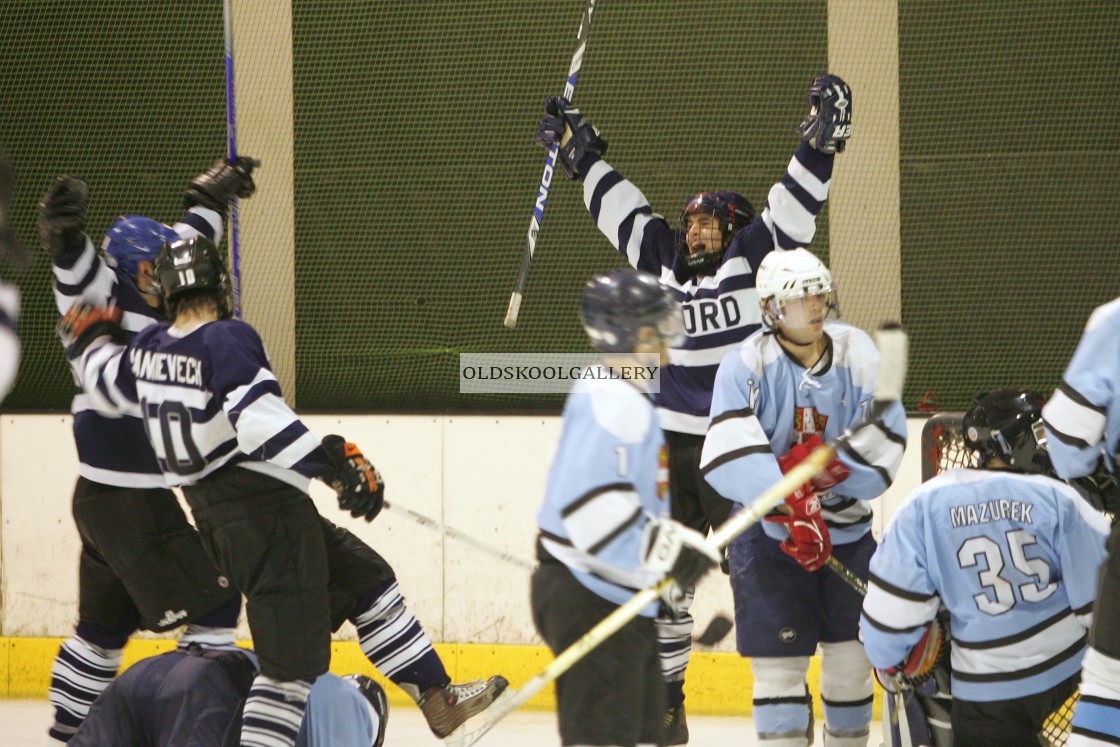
(831, 476)
(1101, 489)
(671, 549)
(919, 664)
(361, 491)
(829, 123)
(62, 217)
(83, 324)
(562, 123)
(809, 542)
(221, 183)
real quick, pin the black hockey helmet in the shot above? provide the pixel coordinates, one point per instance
(193, 264)
(618, 304)
(1008, 424)
(731, 210)
(378, 703)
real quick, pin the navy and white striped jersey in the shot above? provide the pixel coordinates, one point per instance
(608, 480)
(114, 450)
(1012, 557)
(765, 402)
(722, 309)
(1084, 414)
(208, 398)
(9, 337)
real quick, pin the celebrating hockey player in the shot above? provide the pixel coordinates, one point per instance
(803, 379)
(1083, 434)
(221, 430)
(193, 697)
(142, 565)
(1012, 554)
(604, 525)
(709, 259)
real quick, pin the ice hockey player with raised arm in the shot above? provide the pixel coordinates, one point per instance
(709, 258)
(221, 430)
(1012, 554)
(1083, 435)
(605, 532)
(803, 379)
(142, 564)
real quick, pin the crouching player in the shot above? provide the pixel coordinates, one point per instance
(193, 697)
(1012, 554)
(220, 429)
(605, 530)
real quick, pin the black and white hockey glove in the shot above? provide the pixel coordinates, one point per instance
(221, 183)
(360, 488)
(62, 217)
(829, 124)
(83, 324)
(562, 123)
(671, 549)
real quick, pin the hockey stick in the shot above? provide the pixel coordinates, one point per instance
(846, 573)
(447, 531)
(546, 178)
(716, 630)
(231, 154)
(892, 343)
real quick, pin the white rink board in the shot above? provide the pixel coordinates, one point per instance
(483, 476)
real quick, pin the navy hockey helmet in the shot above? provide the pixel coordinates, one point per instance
(618, 304)
(378, 703)
(133, 239)
(1008, 424)
(192, 264)
(731, 210)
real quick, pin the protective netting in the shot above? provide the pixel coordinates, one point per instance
(415, 174)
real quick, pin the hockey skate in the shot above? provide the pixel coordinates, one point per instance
(446, 708)
(676, 726)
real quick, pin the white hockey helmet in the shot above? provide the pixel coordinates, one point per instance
(790, 275)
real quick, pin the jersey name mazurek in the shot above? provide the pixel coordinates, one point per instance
(721, 309)
(765, 402)
(609, 479)
(1014, 559)
(207, 398)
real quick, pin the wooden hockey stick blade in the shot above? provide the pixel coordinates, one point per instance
(716, 631)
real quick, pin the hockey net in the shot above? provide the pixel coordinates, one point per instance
(943, 449)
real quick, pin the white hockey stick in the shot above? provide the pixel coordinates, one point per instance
(893, 352)
(549, 169)
(231, 153)
(447, 531)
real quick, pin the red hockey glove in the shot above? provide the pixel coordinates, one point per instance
(809, 542)
(832, 475)
(361, 491)
(84, 323)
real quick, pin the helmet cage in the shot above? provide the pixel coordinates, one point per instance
(1008, 425)
(731, 210)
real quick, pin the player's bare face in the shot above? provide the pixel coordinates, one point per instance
(145, 283)
(704, 234)
(802, 319)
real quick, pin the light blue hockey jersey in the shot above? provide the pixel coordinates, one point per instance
(609, 479)
(1085, 409)
(1013, 557)
(765, 402)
